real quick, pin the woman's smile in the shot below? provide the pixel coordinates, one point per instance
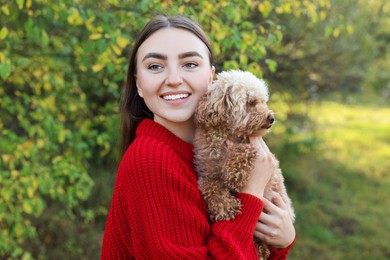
(175, 97)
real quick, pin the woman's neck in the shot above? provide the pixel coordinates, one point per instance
(183, 130)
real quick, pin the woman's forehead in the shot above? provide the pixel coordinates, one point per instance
(172, 42)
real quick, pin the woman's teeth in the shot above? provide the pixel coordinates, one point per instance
(174, 97)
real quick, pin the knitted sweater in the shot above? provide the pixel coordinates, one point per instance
(157, 211)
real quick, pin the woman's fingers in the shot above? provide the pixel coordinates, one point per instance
(275, 226)
(260, 145)
(261, 230)
(278, 201)
(270, 209)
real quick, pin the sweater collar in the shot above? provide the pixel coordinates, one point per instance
(151, 128)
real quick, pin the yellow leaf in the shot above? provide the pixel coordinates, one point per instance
(40, 143)
(47, 86)
(62, 118)
(14, 174)
(3, 33)
(61, 137)
(74, 18)
(182, 9)
(30, 191)
(278, 10)
(27, 207)
(350, 29)
(122, 41)
(56, 159)
(18, 230)
(95, 36)
(37, 73)
(83, 68)
(243, 59)
(322, 15)
(97, 67)
(20, 4)
(5, 10)
(336, 32)
(117, 50)
(265, 8)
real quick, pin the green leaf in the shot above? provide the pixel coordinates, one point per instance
(3, 33)
(27, 207)
(5, 10)
(272, 65)
(265, 8)
(45, 38)
(20, 4)
(5, 70)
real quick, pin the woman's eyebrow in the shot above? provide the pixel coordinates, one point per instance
(190, 54)
(155, 55)
(160, 56)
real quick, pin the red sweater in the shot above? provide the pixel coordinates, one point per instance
(157, 211)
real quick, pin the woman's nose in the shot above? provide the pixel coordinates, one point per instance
(174, 78)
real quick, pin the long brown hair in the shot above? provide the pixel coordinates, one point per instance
(133, 108)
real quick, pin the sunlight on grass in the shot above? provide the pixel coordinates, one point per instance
(336, 160)
(356, 136)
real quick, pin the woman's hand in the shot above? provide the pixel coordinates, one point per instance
(275, 226)
(265, 165)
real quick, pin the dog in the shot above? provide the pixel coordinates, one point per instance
(234, 108)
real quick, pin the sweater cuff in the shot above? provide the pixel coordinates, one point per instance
(280, 253)
(253, 203)
(245, 222)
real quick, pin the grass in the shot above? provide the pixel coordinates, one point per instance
(336, 158)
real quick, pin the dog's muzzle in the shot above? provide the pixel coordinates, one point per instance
(269, 122)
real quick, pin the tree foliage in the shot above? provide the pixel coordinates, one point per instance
(349, 53)
(62, 65)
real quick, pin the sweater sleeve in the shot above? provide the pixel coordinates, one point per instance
(280, 254)
(157, 212)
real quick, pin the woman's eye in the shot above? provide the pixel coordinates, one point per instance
(154, 67)
(190, 65)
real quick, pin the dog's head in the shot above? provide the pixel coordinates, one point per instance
(237, 102)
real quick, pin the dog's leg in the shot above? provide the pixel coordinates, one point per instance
(220, 203)
(239, 162)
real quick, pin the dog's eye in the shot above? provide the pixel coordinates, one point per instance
(251, 103)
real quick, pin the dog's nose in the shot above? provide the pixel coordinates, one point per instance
(270, 119)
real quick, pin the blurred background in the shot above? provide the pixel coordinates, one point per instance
(62, 68)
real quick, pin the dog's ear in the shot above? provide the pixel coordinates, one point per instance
(213, 107)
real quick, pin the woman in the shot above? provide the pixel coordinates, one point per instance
(157, 211)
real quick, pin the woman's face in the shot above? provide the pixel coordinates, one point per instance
(173, 71)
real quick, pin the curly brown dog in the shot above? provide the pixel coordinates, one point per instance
(234, 108)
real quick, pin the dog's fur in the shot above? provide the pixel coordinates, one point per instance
(234, 108)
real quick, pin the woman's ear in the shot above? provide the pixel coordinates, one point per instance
(139, 89)
(212, 74)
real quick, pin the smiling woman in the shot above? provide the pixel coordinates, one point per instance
(172, 80)
(157, 211)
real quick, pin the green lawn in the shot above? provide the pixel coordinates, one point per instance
(336, 159)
